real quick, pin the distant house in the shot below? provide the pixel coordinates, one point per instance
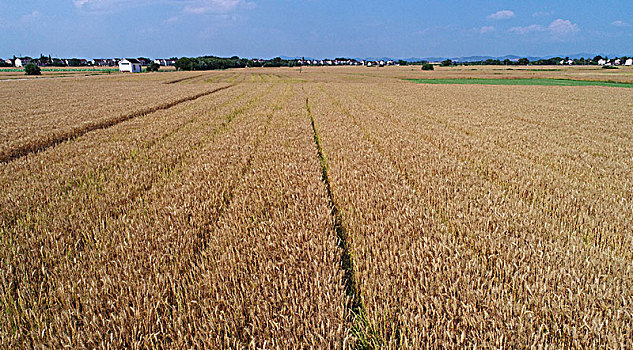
(21, 62)
(164, 62)
(629, 62)
(602, 61)
(104, 62)
(144, 61)
(130, 65)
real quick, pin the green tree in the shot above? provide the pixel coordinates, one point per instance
(523, 61)
(74, 62)
(186, 63)
(153, 67)
(427, 66)
(32, 69)
(446, 63)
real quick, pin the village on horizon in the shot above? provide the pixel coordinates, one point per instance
(130, 64)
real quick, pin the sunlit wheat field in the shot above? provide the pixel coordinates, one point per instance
(323, 208)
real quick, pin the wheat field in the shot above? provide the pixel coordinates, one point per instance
(332, 208)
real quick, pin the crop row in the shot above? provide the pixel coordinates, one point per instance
(450, 249)
(332, 208)
(37, 114)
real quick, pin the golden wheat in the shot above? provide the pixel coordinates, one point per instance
(334, 208)
(473, 242)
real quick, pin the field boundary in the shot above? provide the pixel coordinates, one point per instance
(366, 336)
(12, 154)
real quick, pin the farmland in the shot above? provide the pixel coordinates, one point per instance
(345, 207)
(58, 72)
(513, 81)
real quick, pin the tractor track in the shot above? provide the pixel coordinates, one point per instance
(16, 153)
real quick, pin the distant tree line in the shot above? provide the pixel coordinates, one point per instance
(540, 62)
(523, 62)
(519, 62)
(496, 62)
(213, 62)
(57, 62)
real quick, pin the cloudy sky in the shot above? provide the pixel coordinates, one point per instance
(314, 28)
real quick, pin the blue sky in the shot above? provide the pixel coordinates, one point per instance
(314, 28)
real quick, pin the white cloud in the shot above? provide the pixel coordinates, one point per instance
(562, 28)
(102, 4)
(213, 6)
(620, 24)
(527, 29)
(484, 29)
(107, 6)
(559, 29)
(543, 14)
(186, 6)
(503, 14)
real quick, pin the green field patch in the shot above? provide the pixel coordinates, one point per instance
(8, 70)
(540, 82)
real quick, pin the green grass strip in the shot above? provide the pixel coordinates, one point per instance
(513, 81)
(8, 70)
